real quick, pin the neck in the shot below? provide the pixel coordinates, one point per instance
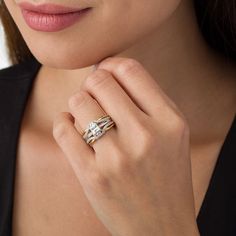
(196, 78)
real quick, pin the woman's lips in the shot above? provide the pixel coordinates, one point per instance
(51, 18)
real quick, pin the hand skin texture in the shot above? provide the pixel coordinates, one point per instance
(137, 177)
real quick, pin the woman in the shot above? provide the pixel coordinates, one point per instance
(160, 162)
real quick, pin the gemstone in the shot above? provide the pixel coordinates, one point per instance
(92, 125)
(95, 129)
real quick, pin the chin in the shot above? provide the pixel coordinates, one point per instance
(72, 56)
(67, 62)
(68, 59)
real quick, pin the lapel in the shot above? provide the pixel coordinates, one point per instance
(15, 86)
(217, 214)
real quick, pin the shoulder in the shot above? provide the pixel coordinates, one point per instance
(21, 71)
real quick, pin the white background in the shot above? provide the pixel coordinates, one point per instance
(4, 62)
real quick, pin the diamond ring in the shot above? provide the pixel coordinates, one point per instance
(97, 128)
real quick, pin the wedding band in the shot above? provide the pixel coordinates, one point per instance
(97, 128)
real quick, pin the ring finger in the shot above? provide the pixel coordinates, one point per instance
(86, 109)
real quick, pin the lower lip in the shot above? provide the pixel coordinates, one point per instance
(52, 22)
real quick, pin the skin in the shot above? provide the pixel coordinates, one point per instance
(171, 95)
(121, 182)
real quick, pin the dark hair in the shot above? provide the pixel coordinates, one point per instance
(17, 48)
(216, 19)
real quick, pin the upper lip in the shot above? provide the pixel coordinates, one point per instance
(48, 8)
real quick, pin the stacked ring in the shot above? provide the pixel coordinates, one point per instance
(97, 128)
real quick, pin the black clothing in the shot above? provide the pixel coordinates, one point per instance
(217, 216)
(15, 85)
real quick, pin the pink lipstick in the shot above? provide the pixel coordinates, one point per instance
(50, 17)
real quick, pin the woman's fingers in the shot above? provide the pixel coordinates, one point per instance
(79, 154)
(111, 97)
(138, 83)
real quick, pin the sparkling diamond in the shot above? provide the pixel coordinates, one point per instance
(95, 129)
(92, 125)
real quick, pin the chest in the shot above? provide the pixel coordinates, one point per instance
(48, 198)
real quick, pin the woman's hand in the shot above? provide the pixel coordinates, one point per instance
(137, 176)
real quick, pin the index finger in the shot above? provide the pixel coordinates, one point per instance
(138, 83)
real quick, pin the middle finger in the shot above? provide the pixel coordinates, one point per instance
(112, 97)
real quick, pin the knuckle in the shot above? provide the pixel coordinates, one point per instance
(60, 130)
(97, 79)
(108, 60)
(179, 125)
(128, 65)
(78, 99)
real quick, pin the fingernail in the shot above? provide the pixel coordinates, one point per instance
(95, 67)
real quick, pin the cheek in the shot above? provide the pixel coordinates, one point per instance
(146, 17)
(111, 27)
